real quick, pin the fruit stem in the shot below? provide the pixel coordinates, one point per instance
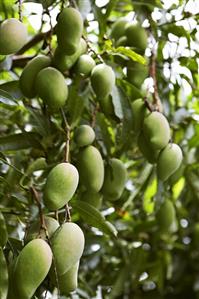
(41, 215)
(67, 129)
(67, 214)
(20, 10)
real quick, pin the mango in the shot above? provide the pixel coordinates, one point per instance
(114, 179)
(148, 152)
(68, 281)
(64, 62)
(156, 130)
(29, 74)
(102, 80)
(166, 217)
(118, 28)
(136, 37)
(106, 106)
(67, 246)
(3, 231)
(51, 87)
(93, 198)
(91, 168)
(84, 135)
(32, 266)
(60, 185)
(13, 36)
(136, 73)
(34, 230)
(169, 161)
(69, 30)
(139, 112)
(85, 64)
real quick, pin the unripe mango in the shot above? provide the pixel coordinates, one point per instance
(85, 64)
(148, 152)
(169, 161)
(102, 80)
(32, 266)
(156, 130)
(139, 112)
(60, 185)
(91, 168)
(136, 37)
(68, 281)
(114, 179)
(64, 62)
(84, 135)
(106, 106)
(118, 28)
(166, 217)
(69, 30)
(136, 73)
(93, 198)
(67, 246)
(29, 74)
(13, 36)
(34, 229)
(51, 87)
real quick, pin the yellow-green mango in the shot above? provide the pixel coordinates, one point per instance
(166, 217)
(69, 280)
(102, 80)
(51, 87)
(64, 62)
(118, 28)
(91, 168)
(114, 179)
(148, 152)
(136, 37)
(84, 135)
(3, 231)
(13, 36)
(69, 30)
(93, 198)
(139, 112)
(34, 230)
(156, 130)
(32, 266)
(136, 73)
(60, 185)
(85, 64)
(29, 74)
(67, 245)
(169, 161)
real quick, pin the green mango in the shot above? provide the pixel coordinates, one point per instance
(169, 161)
(34, 230)
(93, 198)
(166, 217)
(67, 245)
(174, 178)
(136, 37)
(102, 80)
(51, 87)
(148, 152)
(60, 185)
(3, 276)
(85, 64)
(69, 30)
(136, 73)
(29, 74)
(91, 168)
(3, 231)
(114, 179)
(32, 267)
(118, 28)
(106, 106)
(64, 62)
(13, 36)
(68, 281)
(84, 135)
(156, 130)
(139, 112)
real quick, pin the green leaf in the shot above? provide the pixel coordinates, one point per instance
(7, 99)
(126, 52)
(75, 106)
(19, 141)
(3, 231)
(3, 276)
(116, 100)
(12, 87)
(94, 218)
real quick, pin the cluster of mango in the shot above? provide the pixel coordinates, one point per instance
(154, 136)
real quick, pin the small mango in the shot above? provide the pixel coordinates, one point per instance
(93, 198)
(102, 80)
(139, 112)
(91, 168)
(148, 152)
(29, 74)
(118, 28)
(85, 64)
(51, 87)
(169, 161)
(136, 37)
(156, 130)
(60, 185)
(68, 281)
(84, 135)
(69, 30)
(166, 217)
(136, 73)
(67, 246)
(13, 36)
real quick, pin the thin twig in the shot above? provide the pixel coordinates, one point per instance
(41, 215)
(152, 71)
(73, 3)
(20, 10)
(67, 214)
(90, 48)
(67, 129)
